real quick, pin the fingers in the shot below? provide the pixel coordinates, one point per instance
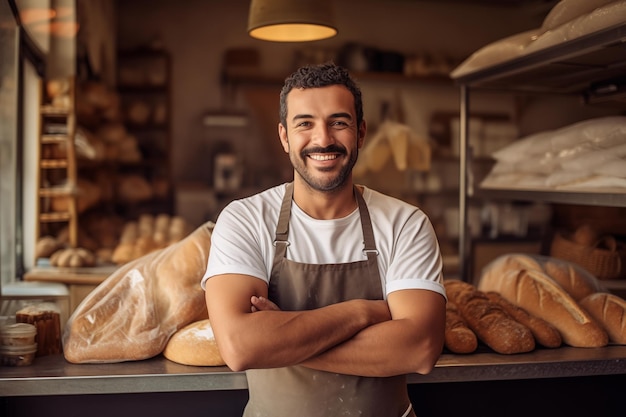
(262, 304)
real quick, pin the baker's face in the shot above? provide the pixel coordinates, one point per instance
(322, 137)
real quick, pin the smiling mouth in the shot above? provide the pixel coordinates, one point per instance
(323, 157)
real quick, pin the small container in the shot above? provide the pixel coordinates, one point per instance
(18, 334)
(17, 355)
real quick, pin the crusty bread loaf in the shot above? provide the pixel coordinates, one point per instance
(541, 296)
(512, 262)
(459, 338)
(577, 282)
(490, 322)
(195, 345)
(610, 311)
(570, 278)
(134, 312)
(545, 334)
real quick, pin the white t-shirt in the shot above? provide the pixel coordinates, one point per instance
(408, 251)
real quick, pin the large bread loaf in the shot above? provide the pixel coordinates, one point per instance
(490, 322)
(133, 313)
(541, 296)
(195, 345)
(577, 282)
(610, 311)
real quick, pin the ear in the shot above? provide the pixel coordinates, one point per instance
(361, 134)
(282, 134)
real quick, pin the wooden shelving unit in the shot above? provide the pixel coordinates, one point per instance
(57, 176)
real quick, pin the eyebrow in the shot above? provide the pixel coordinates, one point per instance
(332, 116)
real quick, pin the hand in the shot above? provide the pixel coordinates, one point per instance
(262, 304)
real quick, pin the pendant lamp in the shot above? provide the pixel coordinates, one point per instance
(291, 20)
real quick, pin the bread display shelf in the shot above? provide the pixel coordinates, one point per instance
(570, 67)
(587, 66)
(91, 276)
(52, 111)
(55, 217)
(597, 197)
(52, 375)
(53, 163)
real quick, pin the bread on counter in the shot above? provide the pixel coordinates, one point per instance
(610, 311)
(459, 338)
(132, 314)
(488, 321)
(538, 294)
(545, 334)
(195, 345)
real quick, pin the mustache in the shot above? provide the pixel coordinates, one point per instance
(329, 149)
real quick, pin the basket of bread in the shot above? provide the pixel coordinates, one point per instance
(602, 255)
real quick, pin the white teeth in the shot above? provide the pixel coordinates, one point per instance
(325, 157)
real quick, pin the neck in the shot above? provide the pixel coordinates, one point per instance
(325, 205)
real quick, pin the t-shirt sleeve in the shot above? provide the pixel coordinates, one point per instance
(416, 263)
(235, 245)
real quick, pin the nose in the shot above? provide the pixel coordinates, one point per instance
(322, 135)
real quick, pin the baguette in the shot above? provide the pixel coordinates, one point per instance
(568, 277)
(540, 296)
(545, 334)
(459, 338)
(610, 311)
(491, 324)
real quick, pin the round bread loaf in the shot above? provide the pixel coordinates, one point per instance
(195, 345)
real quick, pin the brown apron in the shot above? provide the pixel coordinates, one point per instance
(303, 392)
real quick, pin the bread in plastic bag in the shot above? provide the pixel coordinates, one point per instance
(586, 154)
(132, 314)
(496, 52)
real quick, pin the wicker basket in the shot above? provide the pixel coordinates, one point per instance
(605, 260)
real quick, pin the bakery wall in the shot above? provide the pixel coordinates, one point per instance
(197, 33)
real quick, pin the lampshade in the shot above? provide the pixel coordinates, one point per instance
(291, 20)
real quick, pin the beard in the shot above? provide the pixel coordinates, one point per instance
(323, 180)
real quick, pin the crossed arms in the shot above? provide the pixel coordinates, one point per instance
(358, 337)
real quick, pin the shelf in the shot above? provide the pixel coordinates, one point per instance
(55, 217)
(591, 198)
(53, 163)
(56, 192)
(243, 78)
(53, 138)
(570, 67)
(49, 110)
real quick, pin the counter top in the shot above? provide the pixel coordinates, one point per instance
(53, 375)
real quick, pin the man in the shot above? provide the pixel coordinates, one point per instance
(326, 293)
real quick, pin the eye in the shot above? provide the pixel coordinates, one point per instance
(304, 123)
(339, 124)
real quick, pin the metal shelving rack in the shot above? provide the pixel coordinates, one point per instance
(591, 66)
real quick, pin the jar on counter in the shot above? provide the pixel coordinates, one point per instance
(17, 344)
(18, 334)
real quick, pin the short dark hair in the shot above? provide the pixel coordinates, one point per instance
(321, 75)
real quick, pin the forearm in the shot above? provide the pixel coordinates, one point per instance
(370, 352)
(268, 339)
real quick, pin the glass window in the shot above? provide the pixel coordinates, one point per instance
(9, 44)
